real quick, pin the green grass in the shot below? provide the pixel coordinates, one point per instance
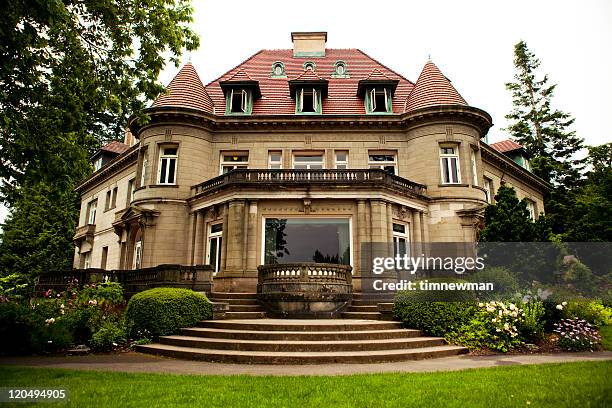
(585, 384)
(606, 337)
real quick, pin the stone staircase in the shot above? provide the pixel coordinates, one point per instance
(283, 341)
(365, 306)
(241, 305)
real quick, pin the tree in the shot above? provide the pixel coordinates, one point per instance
(543, 131)
(508, 220)
(592, 206)
(71, 73)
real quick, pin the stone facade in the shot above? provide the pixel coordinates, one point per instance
(171, 223)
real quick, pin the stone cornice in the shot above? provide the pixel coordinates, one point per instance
(118, 164)
(384, 122)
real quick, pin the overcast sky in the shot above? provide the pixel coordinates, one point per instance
(470, 41)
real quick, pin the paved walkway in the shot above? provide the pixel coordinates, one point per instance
(136, 362)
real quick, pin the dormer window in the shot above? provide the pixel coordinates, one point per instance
(377, 91)
(378, 100)
(340, 70)
(309, 101)
(278, 70)
(240, 92)
(239, 101)
(97, 164)
(310, 66)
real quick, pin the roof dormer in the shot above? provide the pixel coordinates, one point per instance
(240, 92)
(308, 89)
(377, 91)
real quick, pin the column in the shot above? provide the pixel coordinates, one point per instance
(224, 237)
(252, 259)
(416, 238)
(191, 238)
(360, 231)
(199, 239)
(235, 239)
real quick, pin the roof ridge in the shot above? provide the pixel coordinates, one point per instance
(383, 65)
(236, 66)
(308, 72)
(241, 72)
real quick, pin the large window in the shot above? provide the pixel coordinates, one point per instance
(532, 209)
(234, 161)
(167, 165)
(449, 165)
(91, 211)
(213, 253)
(308, 101)
(386, 162)
(400, 240)
(138, 255)
(308, 162)
(324, 240)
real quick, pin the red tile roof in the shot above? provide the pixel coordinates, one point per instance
(186, 90)
(506, 146)
(341, 98)
(115, 147)
(431, 89)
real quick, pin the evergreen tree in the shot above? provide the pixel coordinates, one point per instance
(508, 220)
(70, 76)
(545, 132)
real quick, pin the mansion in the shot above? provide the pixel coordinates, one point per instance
(295, 155)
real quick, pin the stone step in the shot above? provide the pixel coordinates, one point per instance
(361, 315)
(236, 301)
(245, 308)
(245, 315)
(373, 295)
(233, 295)
(299, 335)
(362, 308)
(300, 325)
(269, 357)
(361, 302)
(301, 346)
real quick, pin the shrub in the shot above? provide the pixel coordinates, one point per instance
(163, 311)
(434, 312)
(577, 335)
(593, 312)
(494, 326)
(109, 336)
(533, 323)
(505, 283)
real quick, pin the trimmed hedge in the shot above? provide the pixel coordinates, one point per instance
(434, 312)
(163, 311)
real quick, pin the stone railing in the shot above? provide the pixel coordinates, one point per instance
(267, 178)
(304, 290)
(198, 278)
(305, 272)
(85, 231)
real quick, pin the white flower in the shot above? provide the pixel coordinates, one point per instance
(93, 302)
(50, 321)
(564, 303)
(481, 304)
(512, 307)
(559, 307)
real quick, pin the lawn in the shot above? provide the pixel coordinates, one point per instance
(606, 337)
(585, 384)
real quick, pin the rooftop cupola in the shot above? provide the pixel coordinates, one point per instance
(309, 44)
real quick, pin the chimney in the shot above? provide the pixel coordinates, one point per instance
(309, 44)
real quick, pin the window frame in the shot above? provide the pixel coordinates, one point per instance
(344, 162)
(97, 164)
(299, 102)
(396, 236)
(234, 164)
(92, 207)
(305, 154)
(382, 164)
(449, 157)
(474, 167)
(246, 102)
(274, 163)
(370, 100)
(531, 207)
(137, 264)
(218, 237)
(487, 184)
(169, 158)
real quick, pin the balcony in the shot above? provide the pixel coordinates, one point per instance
(265, 179)
(85, 232)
